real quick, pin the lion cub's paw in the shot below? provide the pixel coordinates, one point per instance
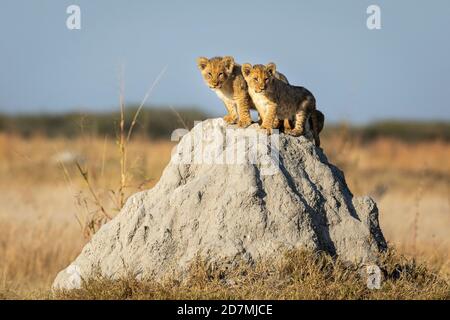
(244, 123)
(296, 132)
(230, 119)
(266, 128)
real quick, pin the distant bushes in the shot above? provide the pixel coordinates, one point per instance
(409, 131)
(152, 122)
(159, 122)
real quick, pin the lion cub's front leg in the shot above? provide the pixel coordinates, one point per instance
(300, 120)
(287, 125)
(243, 107)
(231, 117)
(269, 118)
(276, 123)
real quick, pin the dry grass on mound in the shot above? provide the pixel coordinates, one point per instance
(298, 275)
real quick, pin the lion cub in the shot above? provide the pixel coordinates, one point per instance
(224, 77)
(280, 100)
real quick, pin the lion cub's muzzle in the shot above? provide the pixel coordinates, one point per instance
(215, 85)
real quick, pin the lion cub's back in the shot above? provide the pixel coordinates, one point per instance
(282, 77)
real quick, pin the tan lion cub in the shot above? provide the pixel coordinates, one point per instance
(224, 77)
(280, 100)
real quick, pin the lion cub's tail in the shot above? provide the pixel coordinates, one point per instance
(316, 123)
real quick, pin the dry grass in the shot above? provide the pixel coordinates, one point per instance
(297, 275)
(40, 232)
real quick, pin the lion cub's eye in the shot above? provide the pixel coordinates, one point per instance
(256, 79)
(209, 75)
(266, 79)
(221, 75)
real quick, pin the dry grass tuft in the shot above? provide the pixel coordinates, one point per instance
(297, 275)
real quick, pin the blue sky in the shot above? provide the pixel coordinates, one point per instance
(356, 74)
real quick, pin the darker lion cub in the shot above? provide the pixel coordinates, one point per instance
(281, 100)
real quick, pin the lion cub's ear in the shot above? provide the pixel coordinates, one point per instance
(202, 62)
(228, 62)
(246, 68)
(271, 68)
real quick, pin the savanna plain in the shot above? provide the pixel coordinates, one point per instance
(56, 191)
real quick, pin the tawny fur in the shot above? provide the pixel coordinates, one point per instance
(225, 78)
(280, 100)
(288, 124)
